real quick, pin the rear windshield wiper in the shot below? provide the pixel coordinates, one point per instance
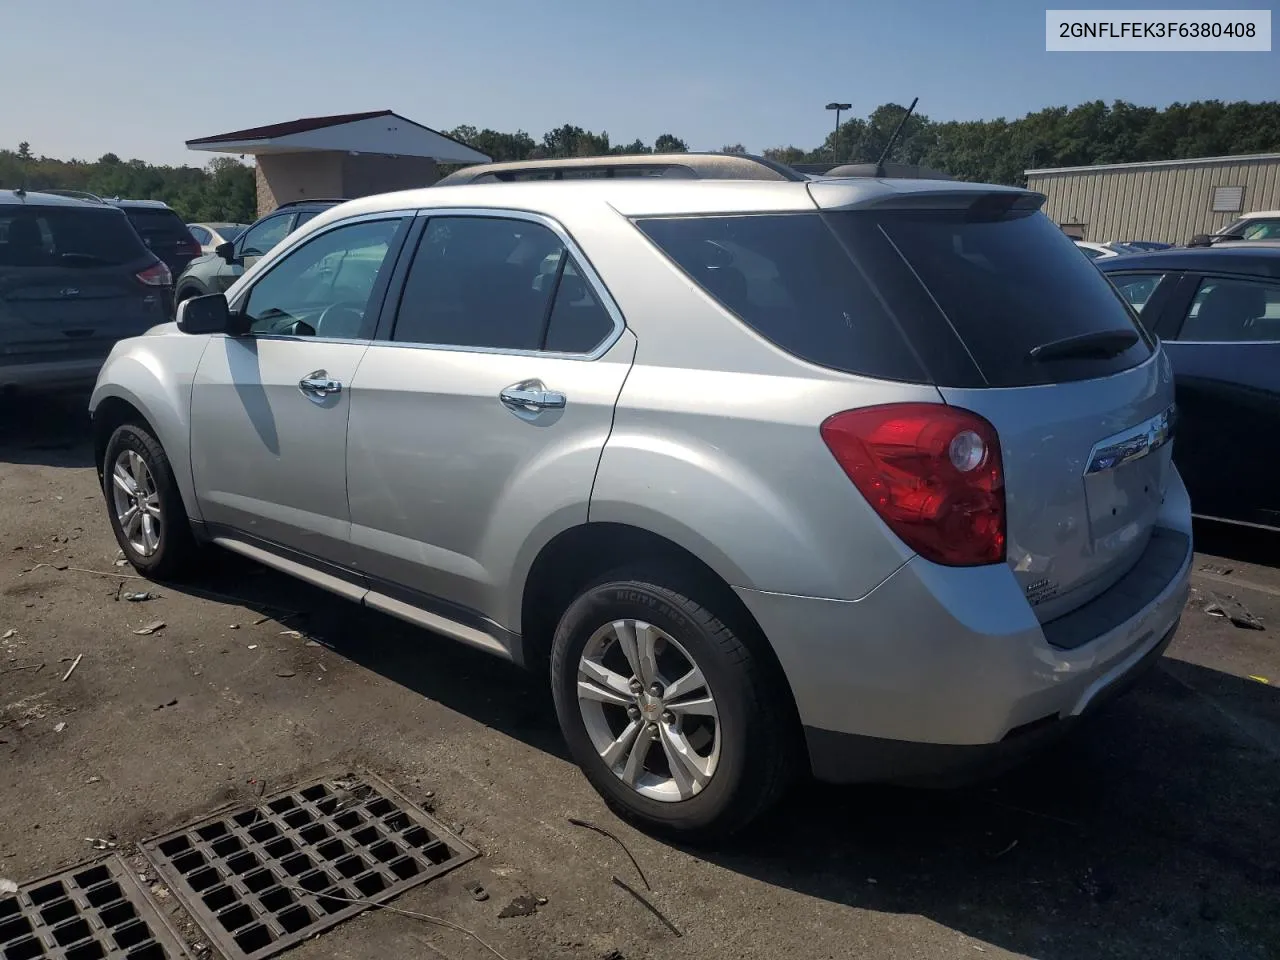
(1099, 345)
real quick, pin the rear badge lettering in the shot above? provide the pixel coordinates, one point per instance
(1041, 590)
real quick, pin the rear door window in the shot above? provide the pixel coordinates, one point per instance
(1006, 280)
(1233, 311)
(787, 277)
(497, 283)
(71, 237)
(579, 322)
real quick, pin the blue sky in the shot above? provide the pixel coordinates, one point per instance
(139, 77)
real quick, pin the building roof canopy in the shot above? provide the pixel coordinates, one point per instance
(377, 132)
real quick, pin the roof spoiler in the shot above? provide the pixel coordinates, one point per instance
(979, 200)
(891, 171)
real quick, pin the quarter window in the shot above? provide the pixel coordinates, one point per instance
(499, 284)
(325, 287)
(1232, 311)
(1137, 288)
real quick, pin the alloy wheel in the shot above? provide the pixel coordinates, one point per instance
(137, 502)
(648, 710)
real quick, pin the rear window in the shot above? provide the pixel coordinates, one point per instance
(32, 236)
(787, 277)
(1006, 282)
(229, 231)
(162, 226)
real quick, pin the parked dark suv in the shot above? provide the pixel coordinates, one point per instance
(75, 277)
(214, 272)
(163, 231)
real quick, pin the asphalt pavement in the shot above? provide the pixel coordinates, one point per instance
(1151, 832)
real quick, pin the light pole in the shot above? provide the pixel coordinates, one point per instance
(837, 107)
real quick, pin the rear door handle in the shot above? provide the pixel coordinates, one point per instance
(318, 384)
(531, 395)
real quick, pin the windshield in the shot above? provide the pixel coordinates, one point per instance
(67, 237)
(229, 231)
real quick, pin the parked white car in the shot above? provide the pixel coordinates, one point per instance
(1096, 251)
(210, 235)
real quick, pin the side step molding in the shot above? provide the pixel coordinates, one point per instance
(437, 624)
(370, 598)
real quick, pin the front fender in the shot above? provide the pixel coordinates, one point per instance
(153, 374)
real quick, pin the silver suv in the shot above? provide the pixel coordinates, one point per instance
(869, 478)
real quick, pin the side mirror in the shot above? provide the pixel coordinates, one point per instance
(207, 314)
(226, 250)
(1199, 240)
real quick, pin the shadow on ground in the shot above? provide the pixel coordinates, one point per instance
(48, 429)
(1150, 832)
(479, 685)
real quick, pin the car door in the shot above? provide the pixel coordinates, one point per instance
(250, 247)
(479, 415)
(1225, 352)
(269, 409)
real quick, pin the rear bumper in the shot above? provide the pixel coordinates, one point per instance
(940, 669)
(848, 758)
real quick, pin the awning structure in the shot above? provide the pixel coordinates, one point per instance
(380, 132)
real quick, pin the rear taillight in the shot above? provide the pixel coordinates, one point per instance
(156, 275)
(188, 248)
(931, 472)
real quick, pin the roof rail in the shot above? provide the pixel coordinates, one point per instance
(76, 195)
(686, 166)
(294, 203)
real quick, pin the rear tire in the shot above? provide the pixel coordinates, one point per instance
(735, 726)
(144, 505)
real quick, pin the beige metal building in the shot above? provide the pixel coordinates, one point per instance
(1164, 200)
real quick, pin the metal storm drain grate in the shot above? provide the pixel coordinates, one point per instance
(92, 912)
(262, 878)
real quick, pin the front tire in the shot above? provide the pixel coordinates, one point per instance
(677, 723)
(144, 505)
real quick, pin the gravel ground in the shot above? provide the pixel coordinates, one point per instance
(1150, 833)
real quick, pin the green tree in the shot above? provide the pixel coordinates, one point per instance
(571, 141)
(667, 143)
(498, 146)
(24, 151)
(733, 148)
(785, 154)
(635, 146)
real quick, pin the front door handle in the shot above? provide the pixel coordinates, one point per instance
(531, 395)
(318, 384)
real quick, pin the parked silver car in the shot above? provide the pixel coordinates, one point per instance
(870, 478)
